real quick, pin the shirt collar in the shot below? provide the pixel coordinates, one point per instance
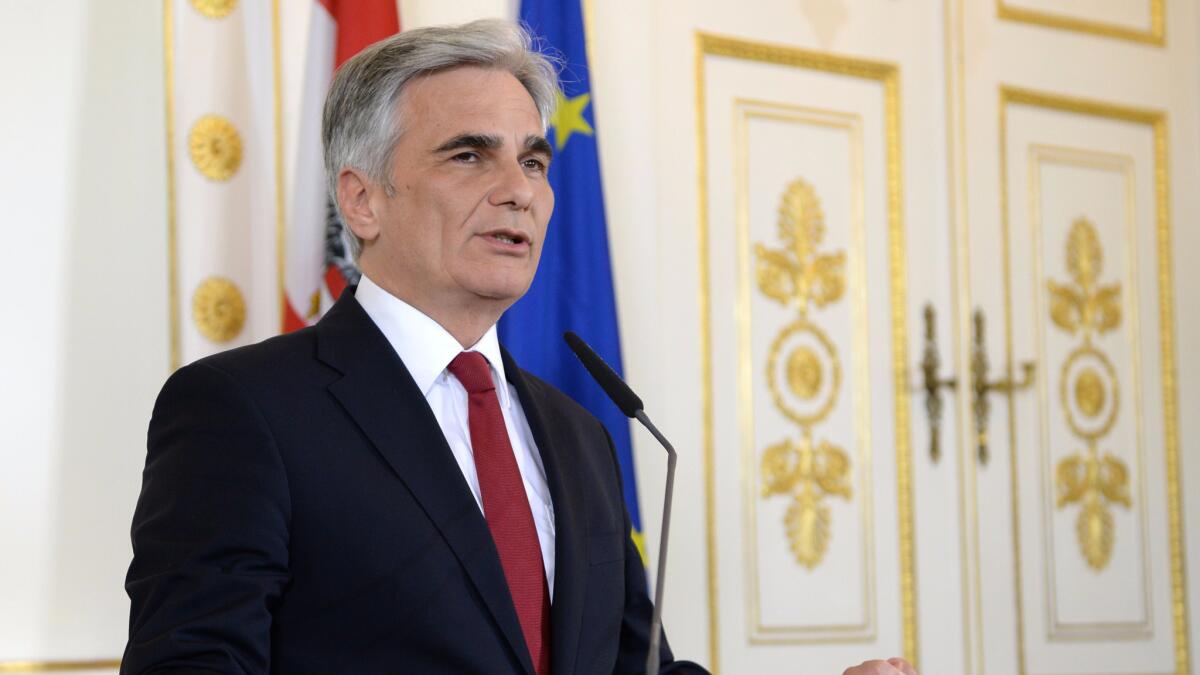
(425, 347)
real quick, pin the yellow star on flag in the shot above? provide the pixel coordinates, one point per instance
(568, 118)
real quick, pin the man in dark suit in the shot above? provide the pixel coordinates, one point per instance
(387, 492)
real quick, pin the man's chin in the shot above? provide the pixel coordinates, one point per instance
(505, 294)
(494, 284)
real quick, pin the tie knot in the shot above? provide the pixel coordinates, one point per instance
(471, 369)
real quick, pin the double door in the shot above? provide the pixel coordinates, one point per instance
(922, 337)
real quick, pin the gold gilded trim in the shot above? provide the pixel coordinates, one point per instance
(887, 75)
(1157, 122)
(899, 288)
(1166, 300)
(48, 666)
(1155, 35)
(706, 396)
(172, 219)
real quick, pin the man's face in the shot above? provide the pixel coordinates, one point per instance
(468, 217)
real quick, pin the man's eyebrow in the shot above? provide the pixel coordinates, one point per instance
(473, 141)
(539, 144)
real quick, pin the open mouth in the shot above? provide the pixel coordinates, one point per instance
(510, 237)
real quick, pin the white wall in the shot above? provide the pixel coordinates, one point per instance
(84, 344)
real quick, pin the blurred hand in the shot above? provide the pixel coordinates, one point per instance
(893, 666)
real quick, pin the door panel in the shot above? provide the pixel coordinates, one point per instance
(1073, 527)
(809, 478)
(1084, 185)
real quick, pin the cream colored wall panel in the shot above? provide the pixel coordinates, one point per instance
(1082, 232)
(804, 246)
(1085, 213)
(803, 367)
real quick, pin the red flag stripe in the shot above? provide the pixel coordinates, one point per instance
(292, 319)
(361, 22)
(334, 281)
(356, 24)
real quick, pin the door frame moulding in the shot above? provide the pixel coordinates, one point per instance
(1154, 35)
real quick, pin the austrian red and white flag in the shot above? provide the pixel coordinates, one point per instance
(317, 263)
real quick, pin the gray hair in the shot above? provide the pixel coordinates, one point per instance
(361, 122)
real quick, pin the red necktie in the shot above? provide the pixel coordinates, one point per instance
(506, 507)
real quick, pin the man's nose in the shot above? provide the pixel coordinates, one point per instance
(513, 187)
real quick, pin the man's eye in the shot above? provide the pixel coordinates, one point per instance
(534, 164)
(466, 157)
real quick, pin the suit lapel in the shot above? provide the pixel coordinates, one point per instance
(570, 563)
(377, 391)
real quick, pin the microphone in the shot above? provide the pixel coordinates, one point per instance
(631, 406)
(605, 376)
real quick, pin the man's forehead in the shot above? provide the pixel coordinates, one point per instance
(466, 90)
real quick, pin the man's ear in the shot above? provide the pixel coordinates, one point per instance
(354, 198)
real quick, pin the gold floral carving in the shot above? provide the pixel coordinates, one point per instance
(214, 9)
(797, 275)
(1094, 482)
(215, 147)
(218, 309)
(807, 474)
(1089, 394)
(800, 277)
(1086, 306)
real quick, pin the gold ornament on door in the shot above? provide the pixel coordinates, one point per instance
(218, 309)
(214, 9)
(1089, 393)
(803, 373)
(215, 147)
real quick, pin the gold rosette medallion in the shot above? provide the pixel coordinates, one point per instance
(218, 309)
(215, 147)
(214, 9)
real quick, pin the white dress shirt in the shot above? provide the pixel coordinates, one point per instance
(426, 348)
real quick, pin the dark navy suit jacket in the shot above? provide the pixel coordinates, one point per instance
(301, 513)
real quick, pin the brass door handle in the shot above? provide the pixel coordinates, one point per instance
(932, 384)
(981, 387)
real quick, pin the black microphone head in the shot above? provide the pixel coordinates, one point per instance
(605, 376)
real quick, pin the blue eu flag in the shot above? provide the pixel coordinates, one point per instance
(573, 289)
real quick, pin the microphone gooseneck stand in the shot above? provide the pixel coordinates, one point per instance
(632, 407)
(652, 657)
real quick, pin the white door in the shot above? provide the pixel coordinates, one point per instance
(812, 228)
(1065, 113)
